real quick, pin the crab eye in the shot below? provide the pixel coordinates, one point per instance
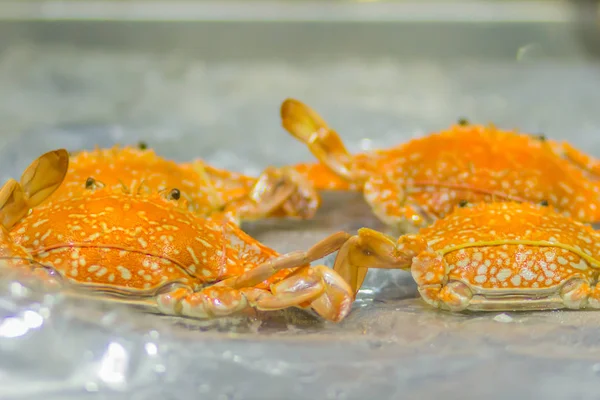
(541, 137)
(544, 203)
(142, 145)
(90, 183)
(463, 203)
(463, 121)
(174, 194)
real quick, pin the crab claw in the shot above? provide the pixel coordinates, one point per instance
(372, 249)
(278, 192)
(39, 180)
(307, 126)
(318, 287)
(44, 175)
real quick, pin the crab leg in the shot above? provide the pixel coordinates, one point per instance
(372, 249)
(325, 144)
(322, 178)
(438, 288)
(318, 287)
(39, 180)
(286, 261)
(584, 161)
(276, 192)
(391, 203)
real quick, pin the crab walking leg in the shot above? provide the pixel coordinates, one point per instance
(429, 272)
(390, 204)
(277, 192)
(325, 144)
(295, 259)
(372, 249)
(583, 160)
(318, 287)
(321, 177)
(438, 289)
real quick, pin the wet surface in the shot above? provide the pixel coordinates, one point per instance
(392, 345)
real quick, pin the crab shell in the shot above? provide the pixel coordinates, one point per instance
(130, 244)
(139, 170)
(431, 175)
(415, 183)
(11, 253)
(506, 256)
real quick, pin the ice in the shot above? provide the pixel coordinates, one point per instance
(392, 345)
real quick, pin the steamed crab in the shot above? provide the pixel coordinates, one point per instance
(415, 183)
(277, 192)
(488, 256)
(149, 249)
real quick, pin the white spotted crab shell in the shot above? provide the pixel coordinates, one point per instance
(511, 256)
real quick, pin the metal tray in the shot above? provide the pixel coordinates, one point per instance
(205, 79)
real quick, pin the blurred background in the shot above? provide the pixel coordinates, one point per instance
(196, 72)
(206, 79)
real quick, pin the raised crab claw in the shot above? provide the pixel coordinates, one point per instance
(39, 180)
(149, 249)
(413, 184)
(488, 256)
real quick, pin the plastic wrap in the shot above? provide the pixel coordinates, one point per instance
(392, 345)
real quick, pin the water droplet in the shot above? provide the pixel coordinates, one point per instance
(91, 386)
(503, 318)
(151, 349)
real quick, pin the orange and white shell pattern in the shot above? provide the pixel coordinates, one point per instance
(150, 247)
(478, 163)
(96, 238)
(141, 170)
(422, 180)
(489, 256)
(511, 256)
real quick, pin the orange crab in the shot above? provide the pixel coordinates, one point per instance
(415, 183)
(149, 249)
(488, 256)
(208, 190)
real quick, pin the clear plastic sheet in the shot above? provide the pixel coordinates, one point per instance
(392, 345)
